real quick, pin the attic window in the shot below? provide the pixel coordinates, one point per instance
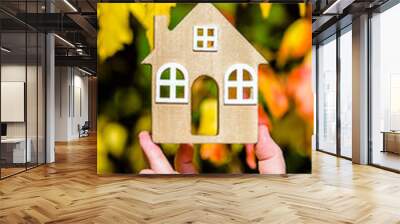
(205, 38)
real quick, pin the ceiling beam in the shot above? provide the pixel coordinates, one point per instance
(78, 61)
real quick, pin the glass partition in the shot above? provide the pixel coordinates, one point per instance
(13, 110)
(32, 96)
(41, 86)
(346, 93)
(22, 88)
(327, 96)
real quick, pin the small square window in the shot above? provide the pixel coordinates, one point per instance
(205, 38)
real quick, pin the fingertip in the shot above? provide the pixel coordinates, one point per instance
(145, 139)
(185, 152)
(143, 134)
(184, 159)
(187, 146)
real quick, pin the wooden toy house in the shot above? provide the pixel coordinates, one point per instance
(204, 43)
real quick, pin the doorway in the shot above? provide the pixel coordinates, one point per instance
(204, 106)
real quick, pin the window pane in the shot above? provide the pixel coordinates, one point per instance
(200, 44)
(166, 74)
(346, 94)
(32, 101)
(200, 32)
(180, 92)
(179, 75)
(327, 96)
(210, 32)
(232, 93)
(246, 75)
(13, 87)
(385, 88)
(210, 44)
(247, 93)
(164, 92)
(233, 76)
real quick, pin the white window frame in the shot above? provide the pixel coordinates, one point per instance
(205, 38)
(172, 82)
(239, 84)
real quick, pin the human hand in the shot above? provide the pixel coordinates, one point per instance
(268, 153)
(159, 163)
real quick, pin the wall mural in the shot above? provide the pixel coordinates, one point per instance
(204, 88)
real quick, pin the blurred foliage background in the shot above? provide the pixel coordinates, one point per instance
(280, 32)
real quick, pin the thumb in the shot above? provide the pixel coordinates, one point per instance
(269, 154)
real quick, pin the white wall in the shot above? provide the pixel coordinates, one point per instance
(71, 102)
(13, 73)
(61, 103)
(33, 126)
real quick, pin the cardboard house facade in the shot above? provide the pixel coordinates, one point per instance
(204, 43)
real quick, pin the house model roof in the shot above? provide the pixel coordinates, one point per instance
(231, 41)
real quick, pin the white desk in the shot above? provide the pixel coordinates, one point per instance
(18, 149)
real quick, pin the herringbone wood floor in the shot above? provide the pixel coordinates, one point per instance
(70, 191)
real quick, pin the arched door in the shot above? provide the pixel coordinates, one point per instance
(204, 106)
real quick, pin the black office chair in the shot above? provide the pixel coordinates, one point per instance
(84, 130)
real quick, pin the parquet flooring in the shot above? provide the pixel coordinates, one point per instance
(70, 191)
(11, 170)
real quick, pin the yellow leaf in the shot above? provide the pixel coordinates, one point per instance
(145, 13)
(115, 137)
(114, 30)
(296, 41)
(208, 117)
(265, 9)
(302, 9)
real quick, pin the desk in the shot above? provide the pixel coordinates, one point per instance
(16, 147)
(391, 141)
